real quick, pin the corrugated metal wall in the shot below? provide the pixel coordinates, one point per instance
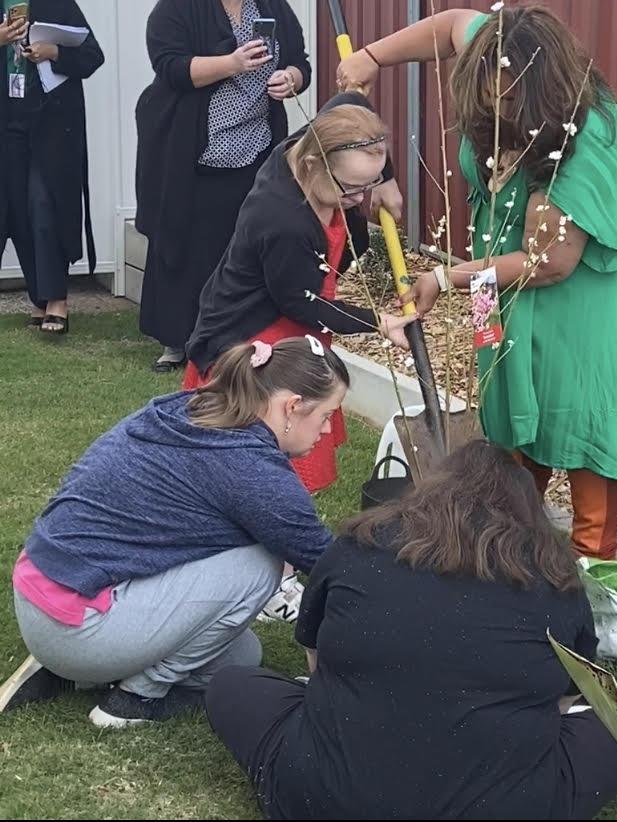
(593, 21)
(368, 20)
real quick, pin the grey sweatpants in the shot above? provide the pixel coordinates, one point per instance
(178, 627)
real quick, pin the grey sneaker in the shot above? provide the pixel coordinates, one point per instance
(170, 359)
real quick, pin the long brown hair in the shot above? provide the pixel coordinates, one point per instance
(239, 393)
(334, 128)
(479, 515)
(545, 93)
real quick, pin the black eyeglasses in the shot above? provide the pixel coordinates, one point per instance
(351, 190)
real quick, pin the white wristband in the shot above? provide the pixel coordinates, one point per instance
(440, 276)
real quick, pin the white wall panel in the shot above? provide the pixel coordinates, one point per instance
(111, 95)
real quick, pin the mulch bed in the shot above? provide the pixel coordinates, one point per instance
(379, 282)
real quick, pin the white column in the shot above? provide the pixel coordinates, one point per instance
(306, 11)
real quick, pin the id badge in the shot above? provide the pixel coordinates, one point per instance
(17, 86)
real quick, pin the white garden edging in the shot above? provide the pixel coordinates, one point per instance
(372, 394)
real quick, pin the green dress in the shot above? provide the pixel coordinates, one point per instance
(553, 395)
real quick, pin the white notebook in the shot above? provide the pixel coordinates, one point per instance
(70, 36)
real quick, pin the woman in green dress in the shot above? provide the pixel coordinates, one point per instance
(550, 392)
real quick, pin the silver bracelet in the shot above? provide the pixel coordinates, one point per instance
(440, 276)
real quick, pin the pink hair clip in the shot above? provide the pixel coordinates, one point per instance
(263, 352)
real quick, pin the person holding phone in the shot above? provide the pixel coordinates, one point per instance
(205, 125)
(43, 163)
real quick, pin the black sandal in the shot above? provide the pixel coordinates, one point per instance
(34, 322)
(55, 319)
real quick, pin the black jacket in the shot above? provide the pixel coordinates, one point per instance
(58, 140)
(272, 261)
(172, 115)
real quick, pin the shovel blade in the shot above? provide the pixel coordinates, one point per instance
(464, 426)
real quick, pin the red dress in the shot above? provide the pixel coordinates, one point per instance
(318, 469)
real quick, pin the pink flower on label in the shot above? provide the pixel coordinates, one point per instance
(484, 303)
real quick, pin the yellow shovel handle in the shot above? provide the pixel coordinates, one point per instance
(344, 46)
(390, 232)
(397, 258)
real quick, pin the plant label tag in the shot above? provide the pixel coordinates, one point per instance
(485, 310)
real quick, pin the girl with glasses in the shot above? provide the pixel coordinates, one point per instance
(278, 276)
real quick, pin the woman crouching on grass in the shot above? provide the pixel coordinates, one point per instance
(168, 537)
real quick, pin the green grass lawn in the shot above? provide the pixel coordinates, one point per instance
(56, 397)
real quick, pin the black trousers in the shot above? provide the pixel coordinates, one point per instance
(248, 709)
(170, 295)
(32, 221)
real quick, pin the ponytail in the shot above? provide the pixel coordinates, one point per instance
(246, 377)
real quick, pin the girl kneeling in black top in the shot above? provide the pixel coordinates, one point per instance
(435, 692)
(277, 278)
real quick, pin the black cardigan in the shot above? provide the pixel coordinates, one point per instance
(58, 136)
(272, 260)
(172, 115)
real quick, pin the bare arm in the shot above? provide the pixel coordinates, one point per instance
(410, 44)
(561, 257)
(416, 41)
(298, 78)
(311, 659)
(208, 70)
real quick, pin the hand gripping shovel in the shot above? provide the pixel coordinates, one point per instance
(427, 428)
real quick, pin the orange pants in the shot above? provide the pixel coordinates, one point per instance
(594, 500)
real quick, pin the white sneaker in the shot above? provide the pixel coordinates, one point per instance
(285, 604)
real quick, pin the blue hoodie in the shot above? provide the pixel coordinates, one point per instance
(157, 491)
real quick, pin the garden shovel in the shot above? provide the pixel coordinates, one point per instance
(427, 428)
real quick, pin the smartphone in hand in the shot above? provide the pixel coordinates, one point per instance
(264, 28)
(19, 11)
